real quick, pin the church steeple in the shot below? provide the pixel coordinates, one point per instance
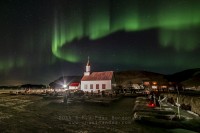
(88, 62)
(87, 71)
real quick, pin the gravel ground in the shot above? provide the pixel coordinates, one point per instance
(25, 113)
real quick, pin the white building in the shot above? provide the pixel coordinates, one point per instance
(136, 86)
(97, 81)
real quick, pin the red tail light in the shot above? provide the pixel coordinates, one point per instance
(151, 105)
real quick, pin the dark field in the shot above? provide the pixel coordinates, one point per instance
(25, 113)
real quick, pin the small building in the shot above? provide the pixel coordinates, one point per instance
(146, 83)
(191, 87)
(97, 81)
(163, 87)
(74, 86)
(153, 85)
(136, 86)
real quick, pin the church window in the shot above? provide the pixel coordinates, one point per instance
(85, 86)
(103, 86)
(91, 86)
(97, 86)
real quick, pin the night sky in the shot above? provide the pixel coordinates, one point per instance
(41, 40)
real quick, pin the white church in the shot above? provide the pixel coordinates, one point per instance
(97, 81)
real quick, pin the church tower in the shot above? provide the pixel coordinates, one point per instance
(87, 72)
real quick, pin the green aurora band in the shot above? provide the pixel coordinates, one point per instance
(6, 65)
(177, 22)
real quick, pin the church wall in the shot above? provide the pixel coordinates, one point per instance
(88, 83)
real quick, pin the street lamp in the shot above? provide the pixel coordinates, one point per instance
(64, 86)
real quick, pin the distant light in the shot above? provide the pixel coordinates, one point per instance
(64, 86)
(151, 105)
(154, 83)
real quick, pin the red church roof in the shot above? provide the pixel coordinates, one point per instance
(74, 84)
(98, 76)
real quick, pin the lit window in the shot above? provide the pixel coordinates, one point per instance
(154, 87)
(91, 86)
(103, 86)
(97, 86)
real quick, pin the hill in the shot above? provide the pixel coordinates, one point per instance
(183, 75)
(64, 80)
(125, 77)
(31, 86)
(190, 77)
(194, 80)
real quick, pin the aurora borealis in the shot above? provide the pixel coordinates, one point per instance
(44, 39)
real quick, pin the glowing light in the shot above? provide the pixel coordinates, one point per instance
(154, 83)
(151, 105)
(64, 86)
